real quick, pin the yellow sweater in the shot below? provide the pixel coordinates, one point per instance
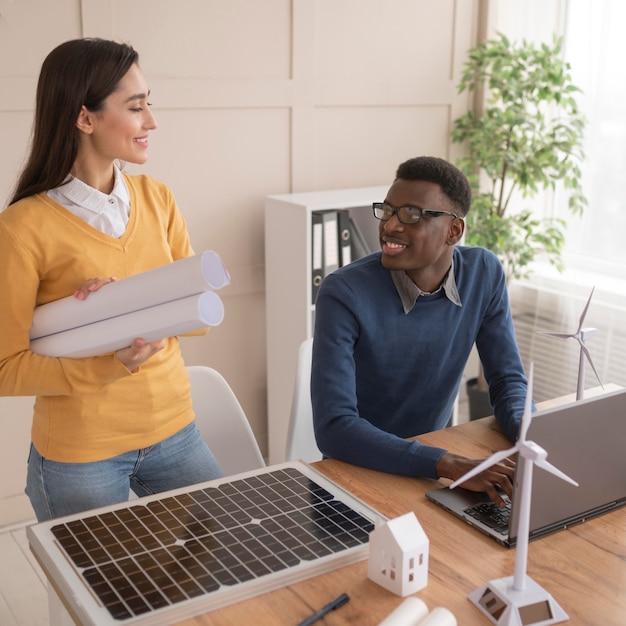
(92, 408)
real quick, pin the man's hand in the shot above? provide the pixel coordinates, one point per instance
(499, 475)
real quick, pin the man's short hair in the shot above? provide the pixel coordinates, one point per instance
(452, 181)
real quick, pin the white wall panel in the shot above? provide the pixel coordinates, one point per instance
(29, 29)
(384, 39)
(362, 146)
(230, 39)
(219, 162)
(15, 127)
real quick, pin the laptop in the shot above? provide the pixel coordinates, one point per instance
(584, 439)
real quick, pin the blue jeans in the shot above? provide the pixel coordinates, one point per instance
(57, 489)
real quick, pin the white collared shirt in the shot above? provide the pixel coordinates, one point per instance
(107, 213)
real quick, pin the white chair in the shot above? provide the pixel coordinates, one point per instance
(222, 421)
(301, 443)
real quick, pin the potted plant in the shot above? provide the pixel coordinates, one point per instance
(523, 137)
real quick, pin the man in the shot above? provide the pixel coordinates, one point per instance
(393, 332)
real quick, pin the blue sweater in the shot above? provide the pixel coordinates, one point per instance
(380, 375)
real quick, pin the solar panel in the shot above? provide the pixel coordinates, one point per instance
(169, 557)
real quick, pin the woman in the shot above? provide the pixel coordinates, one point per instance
(106, 423)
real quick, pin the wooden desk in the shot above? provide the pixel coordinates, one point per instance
(583, 567)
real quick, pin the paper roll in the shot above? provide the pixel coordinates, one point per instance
(166, 283)
(164, 320)
(439, 617)
(409, 613)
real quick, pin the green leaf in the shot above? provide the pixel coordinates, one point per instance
(527, 139)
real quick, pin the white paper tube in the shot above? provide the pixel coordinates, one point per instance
(409, 613)
(439, 616)
(166, 283)
(164, 320)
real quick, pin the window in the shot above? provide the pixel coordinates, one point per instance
(595, 46)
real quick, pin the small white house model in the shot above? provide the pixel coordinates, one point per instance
(398, 555)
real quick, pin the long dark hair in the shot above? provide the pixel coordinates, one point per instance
(76, 73)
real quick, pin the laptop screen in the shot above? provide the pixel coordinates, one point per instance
(585, 440)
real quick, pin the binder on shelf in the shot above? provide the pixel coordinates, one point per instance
(325, 247)
(336, 241)
(330, 242)
(317, 251)
(360, 248)
(344, 237)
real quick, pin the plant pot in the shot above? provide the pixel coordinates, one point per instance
(479, 405)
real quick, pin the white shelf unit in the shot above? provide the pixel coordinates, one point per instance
(289, 309)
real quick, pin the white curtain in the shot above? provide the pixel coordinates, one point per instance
(595, 46)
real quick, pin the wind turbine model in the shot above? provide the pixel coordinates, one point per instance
(581, 335)
(518, 600)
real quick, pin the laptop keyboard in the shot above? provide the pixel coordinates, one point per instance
(491, 515)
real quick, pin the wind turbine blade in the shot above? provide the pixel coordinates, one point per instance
(557, 472)
(583, 347)
(527, 415)
(486, 464)
(557, 335)
(584, 313)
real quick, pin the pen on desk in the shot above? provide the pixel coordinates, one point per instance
(331, 606)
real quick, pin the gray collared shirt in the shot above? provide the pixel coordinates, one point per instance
(409, 292)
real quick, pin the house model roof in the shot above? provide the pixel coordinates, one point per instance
(406, 531)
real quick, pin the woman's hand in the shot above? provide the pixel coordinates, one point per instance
(495, 480)
(140, 350)
(90, 285)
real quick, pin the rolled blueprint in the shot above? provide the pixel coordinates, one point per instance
(410, 612)
(439, 616)
(186, 277)
(163, 320)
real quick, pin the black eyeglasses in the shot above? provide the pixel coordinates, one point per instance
(383, 211)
